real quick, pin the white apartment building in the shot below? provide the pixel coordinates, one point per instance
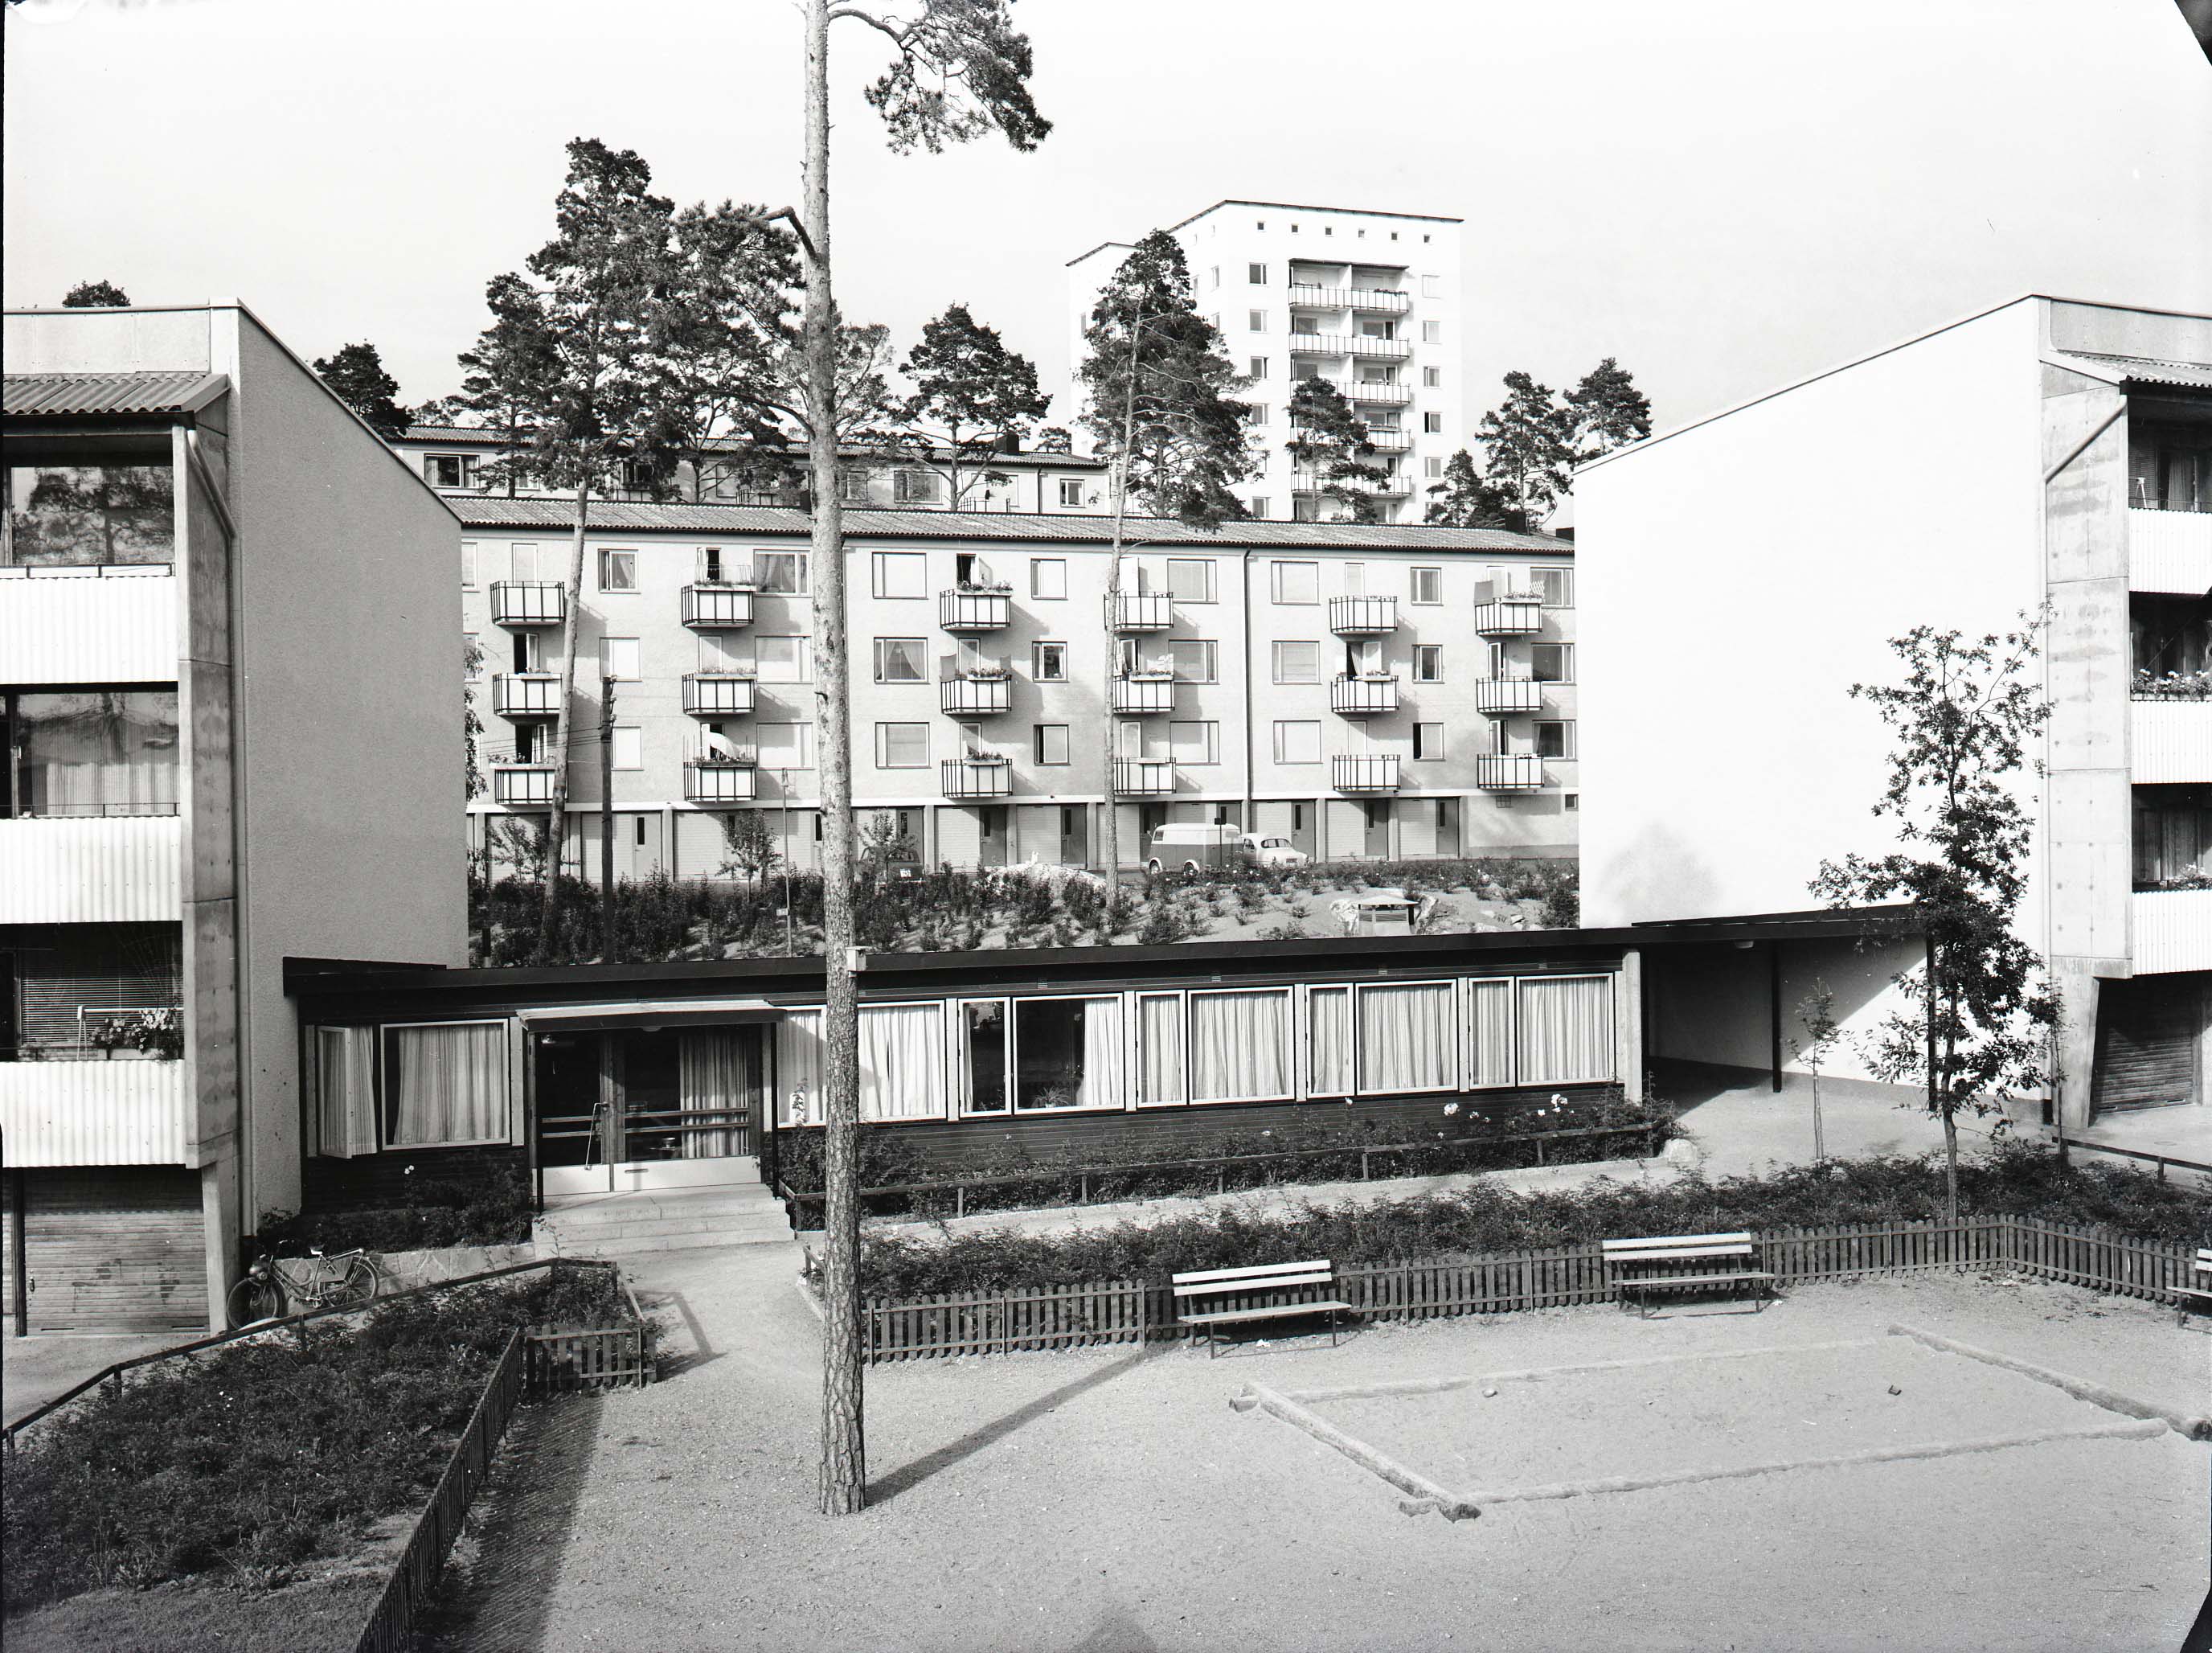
(1369, 302)
(221, 601)
(2043, 451)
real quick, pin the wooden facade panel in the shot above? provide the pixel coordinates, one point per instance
(117, 1249)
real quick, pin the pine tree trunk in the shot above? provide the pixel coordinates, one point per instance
(606, 819)
(844, 1478)
(549, 905)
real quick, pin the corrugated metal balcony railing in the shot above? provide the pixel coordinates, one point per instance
(2169, 741)
(2172, 931)
(123, 1112)
(109, 624)
(75, 869)
(2170, 551)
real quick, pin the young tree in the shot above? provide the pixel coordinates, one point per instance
(1331, 442)
(1982, 1010)
(1606, 411)
(973, 398)
(1465, 499)
(95, 295)
(1161, 416)
(750, 843)
(1816, 1015)
(885, 841)
(1528, 446)
(357, 376)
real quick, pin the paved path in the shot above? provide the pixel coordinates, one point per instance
(34, 1369)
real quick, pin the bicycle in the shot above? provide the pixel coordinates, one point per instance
(342, 1279)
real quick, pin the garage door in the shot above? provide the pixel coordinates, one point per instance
(2148, 1032)
(114, 1250)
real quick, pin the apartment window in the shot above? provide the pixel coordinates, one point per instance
(1195, 743)
(1190, 580)
(899, 659)
(1191, 658)
(720, 654)
(1433, 377)
(1256, 274)
(1257, 367)
(1297, 662)
(1295, 582)
(469, 563)
(1071, 493)
(1555, 586)
(1297, 742)
(1432, 423)
(1432, 287)
(110, 751)
(1214, 276)
(1432, 332)
(1428, 585)
(1048, 576)
(1049, 662)
(1255, 413)
(901, 573)
(628, 748)
(1051, 743)
(1256, 321)
(1551, 662)
(1428, 743)
(1432, 467)
(1258, 508)
(784, 746)
(1571, 802)
(901, 745)
(914, 487)
(853, 485)
(621, 659)
(1355, 580)
(617, 570)
(1555, 740)
(450, 470)
(1428, 663)
(783, 660)
(781, 574)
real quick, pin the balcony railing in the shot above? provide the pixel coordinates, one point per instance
(1388, 396)
(1377, 301)
(2172, 931)
(976, 776)
(2170, 742)
(526, 694)
(1352, 344)
(1500, 697)
(1142, 692)
(1390, 441)
(1510, 616)
(1141, 611)
(522, 783)
(718, 694)
(1363, 616)
(92, 869)
(718, 607)
(1508, 772)
(2169, 551)
(729, 777)
(528, 602)
(975, 695)
(1363, 772)
(974, 611)
(1144, 777)
(1363, 696)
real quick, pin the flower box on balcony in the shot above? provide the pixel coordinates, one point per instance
(1141, 692)
(976, 776)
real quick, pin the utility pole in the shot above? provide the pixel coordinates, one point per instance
(606, 819)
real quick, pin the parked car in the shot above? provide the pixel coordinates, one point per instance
(1272, 852)
(1191, 847)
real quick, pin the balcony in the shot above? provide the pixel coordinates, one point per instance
(112, 622)
(1501, 698)
(975, 694)
(1143, 692)
(1378, 395)
(1363, 774)
(1510, 616)
(2169, 739)
(1508, 772)
(522, 783)
(519, 603)
(1352, 344)
(2172, 931)
(1144, 777)
(2170, 551)
(1320, 344)
(1363, 696)
(978, 776)
(718, 694)
(1390, 441)
(1363, 616)
(974, 611)
(86, 869)
(1383, 487)
(727, 777)
(523, 694)
(1139, 610)
(1374, 301)
(722, 607)
(92, 1113)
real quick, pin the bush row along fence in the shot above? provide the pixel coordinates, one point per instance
(1134, 1311)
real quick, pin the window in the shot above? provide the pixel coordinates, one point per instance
(1298, 662)
(1190, 580)
(783, 660)
(914, 487)
(1195, 743)
(1295, 582)
(902, 1061)
(1255, 413)
(1564, 1025)
(712, 568)
(900, 659)
(1433, 377)
(1049, 662)
(785, 745)
(1259, 507)
(469, 564)
(1214, 276)
(1556, 586)
(445, 1085)
(1406, 1036)
(1555, 740)
(1159, 1049)
(781, 574)
(450, 470)
(1240, 1046)
(617, 570)
(1256, 321)
(1432, 332)
(1051, 743)
(1191, 660)
(342, 1078)
(1551, 662)
(853, 485)
(901, 745)
(1571, 802)
(1432, 467)
(1431, 287)
(1297, 742)
(89, 752)
(983, 1032)
(628, 748)
(1048, 577)
(1428, 585)
(1355, 580)
(1432, 423)
(901, 573)
(1070, 496)
(1428, 743)
(619, 660)
(719, 652)
(1256, 274)
(1256, 368)
(1428, 663)
(1067, 1053)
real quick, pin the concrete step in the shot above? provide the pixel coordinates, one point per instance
(670, 1219)
(652, 1244)
(648, 1227)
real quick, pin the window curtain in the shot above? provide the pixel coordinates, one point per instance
(1237, 1043)
(1405, 1037)
(447, 1084)
(1566, 1028)
(799, 1068)
(711, 1090)
(101, 752)
(345, 1091)
(1160, 1041)
(1103, 1085)
(1490, 1007)
(1329, 1010)
(902, 1062)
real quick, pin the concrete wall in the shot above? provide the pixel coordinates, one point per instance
(1716, 1004)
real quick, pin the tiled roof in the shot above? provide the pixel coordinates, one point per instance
(2142, 370)
(860, 523)
(459, 435)
(29, 395)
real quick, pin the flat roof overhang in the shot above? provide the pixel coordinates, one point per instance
(647, 1015)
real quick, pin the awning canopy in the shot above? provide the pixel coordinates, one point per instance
(647, 1015)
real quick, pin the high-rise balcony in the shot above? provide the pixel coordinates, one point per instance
(978, 776)
(1363, 774)
(1144, 777)
(522, 782)
(1319, 343)
(974, 611)
(526, 695)
(1500, 697)
(519, 603)
(1372, 301)
(1379, 394)
(718, 694)
(1352, 344)
(1508, 772)
(721, 774)
(724, 606)
(1139, 610)
(1510, 616)
(2169, 550)
(1390, 441)
(986, 693)
(1142, 692)
(1363, 616)
(2172, 931)
(1363, 696)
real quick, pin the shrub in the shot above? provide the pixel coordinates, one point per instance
(1562, 907)
(491, 1210)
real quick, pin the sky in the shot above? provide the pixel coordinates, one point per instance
(1724, 194)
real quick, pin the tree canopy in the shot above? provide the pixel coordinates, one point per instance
(1466, 498)
(1606, 411)
(972, 398)
(95, 295)
(357, 376)
(1528, 447)
(1332, 445)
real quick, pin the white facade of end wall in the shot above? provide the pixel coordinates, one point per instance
(1717, 1005)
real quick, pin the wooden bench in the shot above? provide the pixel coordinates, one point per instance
(1686, 1262)
(1302, 1279)
(2199, 1293)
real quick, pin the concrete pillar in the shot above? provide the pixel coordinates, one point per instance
(1628, 1023)
(2077, 1039)
(221, 1222)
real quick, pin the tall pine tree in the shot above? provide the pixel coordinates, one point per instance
(1606, 411)
(973, 397)
(1331, 444)
(356, 375)
(1528, 448)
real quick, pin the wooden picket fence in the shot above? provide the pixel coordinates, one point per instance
(598, 1359)
(1134, 1311)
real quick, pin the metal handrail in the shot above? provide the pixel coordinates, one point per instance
(2161, 1160)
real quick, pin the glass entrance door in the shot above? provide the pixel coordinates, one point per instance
(637, 1108)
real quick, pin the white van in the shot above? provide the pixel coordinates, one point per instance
(1192, 847)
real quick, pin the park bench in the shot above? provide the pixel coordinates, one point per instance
(1298, 1281)
(2199, 1293)
(1683, 1262)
